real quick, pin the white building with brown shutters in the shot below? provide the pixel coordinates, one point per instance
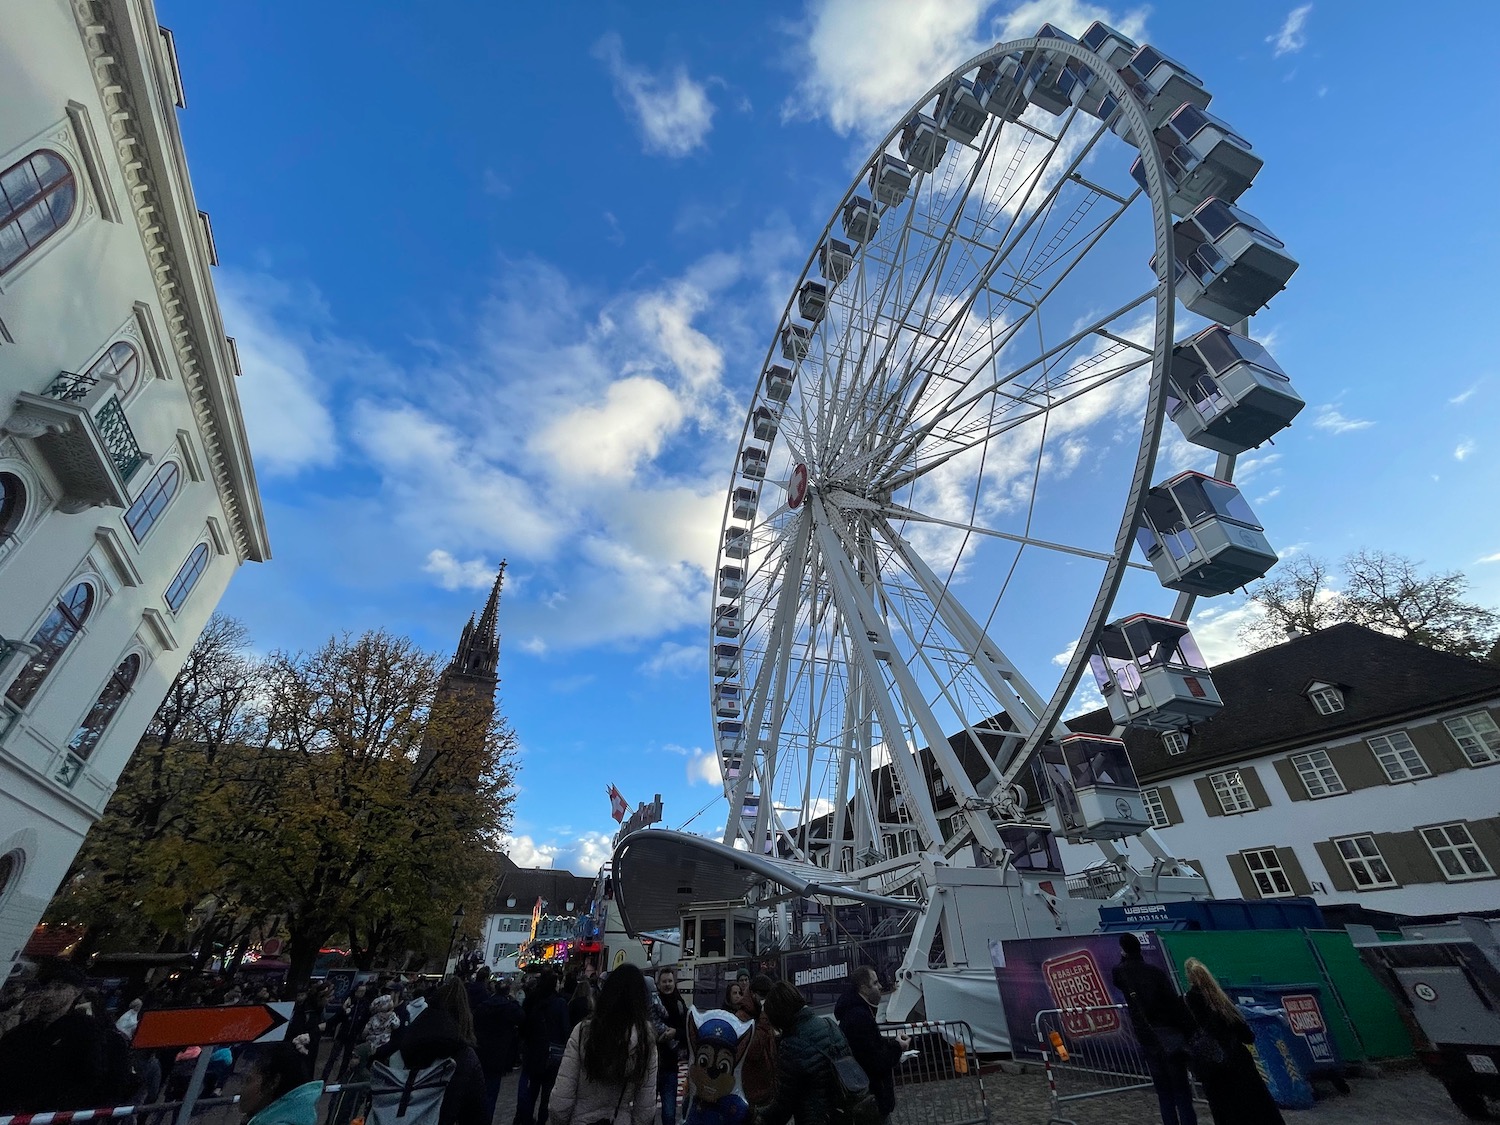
(127, 493)
(1346, 765)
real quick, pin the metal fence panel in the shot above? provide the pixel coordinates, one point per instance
(942, 1084)
(338, 1105)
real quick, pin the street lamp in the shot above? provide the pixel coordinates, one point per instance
(458, 920)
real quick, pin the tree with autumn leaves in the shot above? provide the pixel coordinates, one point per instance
(325, 796)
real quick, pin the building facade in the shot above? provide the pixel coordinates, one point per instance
(127, 492)
(509, 910)
(1346, 765)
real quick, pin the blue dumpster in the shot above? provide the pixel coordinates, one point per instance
(1275, 1055)
(1301, 1006)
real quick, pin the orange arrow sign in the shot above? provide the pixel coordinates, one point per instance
(205, 1027)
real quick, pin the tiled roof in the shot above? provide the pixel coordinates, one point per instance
(1384, 680)
(526, 884)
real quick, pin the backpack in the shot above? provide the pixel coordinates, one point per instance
(408, 1097)
(853, 1102)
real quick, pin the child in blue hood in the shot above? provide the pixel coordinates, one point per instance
(276, 1090)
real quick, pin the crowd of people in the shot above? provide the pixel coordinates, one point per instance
(591, 1049)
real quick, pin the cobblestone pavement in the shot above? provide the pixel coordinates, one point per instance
(1400, 1097)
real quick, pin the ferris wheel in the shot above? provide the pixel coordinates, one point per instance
(951, 451)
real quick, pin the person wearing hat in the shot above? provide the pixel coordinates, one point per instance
(55, 1058)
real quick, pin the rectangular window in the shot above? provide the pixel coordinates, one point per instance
(1229, 787)
(1265, 868)
(1175, 742)
(1155, 809)
(1477, 736)
(1328, 700)
(1456, 853)
(1318, 774)
(1398, 757)
(1365, 863)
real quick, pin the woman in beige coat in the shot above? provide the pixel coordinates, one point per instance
(608, 1071)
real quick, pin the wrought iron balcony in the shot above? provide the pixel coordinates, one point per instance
(93, 454)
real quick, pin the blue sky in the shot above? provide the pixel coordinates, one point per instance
(502, 281)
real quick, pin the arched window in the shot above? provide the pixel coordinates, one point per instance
(12, 504)
(37, 197)
(187, 577)
(152, 501)
(53, 638)
(120, 362)
(87, 736)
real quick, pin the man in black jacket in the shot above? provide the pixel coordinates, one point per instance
(876, 1054)
(1162, 1024)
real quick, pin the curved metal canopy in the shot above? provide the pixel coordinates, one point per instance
(660, 872)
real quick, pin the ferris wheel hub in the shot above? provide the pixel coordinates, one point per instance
(796, 489)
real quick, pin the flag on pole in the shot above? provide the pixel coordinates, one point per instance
(617, 804)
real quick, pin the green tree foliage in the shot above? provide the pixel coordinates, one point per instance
(1379, 589)
(320, 793)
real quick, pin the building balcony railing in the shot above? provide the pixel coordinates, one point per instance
(93, 453)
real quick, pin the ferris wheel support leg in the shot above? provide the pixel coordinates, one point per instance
(908, 992)
(860, 607)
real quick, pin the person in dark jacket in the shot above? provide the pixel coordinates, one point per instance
(56, 1057)
(544, 1036)
(669, 1024)
(1162, 1025)
(805, 1084)
(877, 1055)
(444, 1029)
(497, 1023)
(1237, 1094)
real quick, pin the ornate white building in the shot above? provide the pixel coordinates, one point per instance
(127, 493)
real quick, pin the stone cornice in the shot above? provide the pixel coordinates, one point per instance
(151, 204)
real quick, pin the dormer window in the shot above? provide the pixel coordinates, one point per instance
(1327, 699)
(1175, 741)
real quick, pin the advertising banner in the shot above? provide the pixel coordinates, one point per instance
(1034, 974)
(1305, 1015)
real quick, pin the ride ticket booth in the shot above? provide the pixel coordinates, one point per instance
(716, 938)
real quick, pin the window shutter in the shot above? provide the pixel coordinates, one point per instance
(1333, 863)
(1241, 872)
(1357, 766)
(1294, 873)
(1254, 787)
(1486, 834)
(1408, 857)
(1437, 748)
(1291, 780)
(1174, 813)
(1210, 798)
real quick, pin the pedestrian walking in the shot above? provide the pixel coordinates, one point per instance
(544, 1037)
(581, 1005)
(444, 1029)
(669, 1023)
(805, 1084)
(1237, 1094)
(1162, 1026)
(878, 1056)
(497, 1026)
(56, 1056)
(278, 1089)
(608, 1071)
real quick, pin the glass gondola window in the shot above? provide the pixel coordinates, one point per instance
(52, 639)
(142, 515)
(187, 577)
(121, 364)
(121, 680)
(37, 198)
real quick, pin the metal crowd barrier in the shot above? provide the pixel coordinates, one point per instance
(1088, 1053)
(942, 1085)
(338, 1105)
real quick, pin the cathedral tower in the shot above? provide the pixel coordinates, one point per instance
(464, 701)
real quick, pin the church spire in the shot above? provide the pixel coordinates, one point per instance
(478, 653)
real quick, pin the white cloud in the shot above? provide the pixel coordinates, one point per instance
(704, 767)
(674, 659)
(1495, 558)
(1293, 34)
(1217, 629)
(582, 856)
(459, 574)
(1464, 448)
(1249, 466)
(611, 439)
(1269, 496)
(1465, 395)
(1329, 418)
(865, 61)
(673, 112)
(286, 416)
